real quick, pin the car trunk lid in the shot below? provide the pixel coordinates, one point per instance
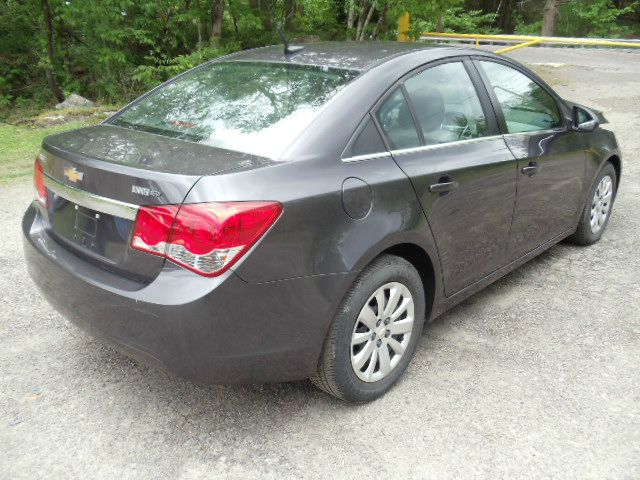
(98, 177)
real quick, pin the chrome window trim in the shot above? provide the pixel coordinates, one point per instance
(367, 156)
(438, 146)
(91, 200)
(537, 132)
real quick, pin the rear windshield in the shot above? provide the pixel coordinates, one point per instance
(249, 107)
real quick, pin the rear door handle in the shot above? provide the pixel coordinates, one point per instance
(444, 187)
(531, 169)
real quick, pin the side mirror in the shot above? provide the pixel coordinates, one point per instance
(584, 120)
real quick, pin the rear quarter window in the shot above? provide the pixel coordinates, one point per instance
(367, 141)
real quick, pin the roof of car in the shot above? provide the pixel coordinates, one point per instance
(349, 55)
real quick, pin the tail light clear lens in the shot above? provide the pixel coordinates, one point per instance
(38, 184)
(206, 238)
(153, 227)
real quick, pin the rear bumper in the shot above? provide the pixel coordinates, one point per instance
(213, 330)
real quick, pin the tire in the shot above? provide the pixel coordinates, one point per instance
(337, 374)
(585, 234)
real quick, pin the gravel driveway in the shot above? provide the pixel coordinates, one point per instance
(538, 376)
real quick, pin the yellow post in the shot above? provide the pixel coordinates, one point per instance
(520, 45)
(403, 27)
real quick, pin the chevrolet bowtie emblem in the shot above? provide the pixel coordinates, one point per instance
(73, 174)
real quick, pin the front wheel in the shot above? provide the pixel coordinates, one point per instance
(597, 210)
(374, 334)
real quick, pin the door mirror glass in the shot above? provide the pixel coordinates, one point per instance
(584, 120)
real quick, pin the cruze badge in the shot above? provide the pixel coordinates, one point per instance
(147, 192)
(73, 174)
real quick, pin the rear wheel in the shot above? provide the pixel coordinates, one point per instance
(597, 210)
(374, 334)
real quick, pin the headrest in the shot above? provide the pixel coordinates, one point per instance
(429, 106)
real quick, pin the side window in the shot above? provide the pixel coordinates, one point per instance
(396, 121)
(527, 107)
(446, 104)
(368, 141)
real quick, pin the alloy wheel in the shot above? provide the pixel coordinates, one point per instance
(382, 332)
(601, 204)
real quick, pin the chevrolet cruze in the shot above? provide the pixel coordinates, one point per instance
(280, 215)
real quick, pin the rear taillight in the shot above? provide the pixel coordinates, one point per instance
(38, 184)
(205, 237)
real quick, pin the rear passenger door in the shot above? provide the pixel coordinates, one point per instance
(551, 156)
(442, 132)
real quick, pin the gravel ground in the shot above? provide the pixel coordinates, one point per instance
(538, 376)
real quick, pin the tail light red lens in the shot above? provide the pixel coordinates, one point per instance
(207, 238)
(38, 184)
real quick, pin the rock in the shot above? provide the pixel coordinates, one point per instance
(49, 120)
(74, 100)
(53, 118)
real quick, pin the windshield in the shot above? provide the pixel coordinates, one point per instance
(255, 108)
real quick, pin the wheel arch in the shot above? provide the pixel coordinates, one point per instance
(617, 165)
(422, 262)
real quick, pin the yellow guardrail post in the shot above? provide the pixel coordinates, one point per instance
(520, 45)
(403, 27)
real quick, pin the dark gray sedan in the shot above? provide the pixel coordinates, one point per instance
(275, 216)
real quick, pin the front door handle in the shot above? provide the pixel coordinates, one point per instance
(444, 187)
(531, 169)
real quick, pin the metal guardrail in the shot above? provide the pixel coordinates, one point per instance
(521, 40)
(528, 40)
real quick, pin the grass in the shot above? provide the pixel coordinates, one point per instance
(22, 134)
(19, 145)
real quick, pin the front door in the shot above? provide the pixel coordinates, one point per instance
(551, 159)
(445, 138)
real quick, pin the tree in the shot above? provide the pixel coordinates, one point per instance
(550, 13)
(49, 67)
(217, 16)
(113, 50)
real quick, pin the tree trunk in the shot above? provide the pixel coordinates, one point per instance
(49, 72)
(549, 18)
(361, 14)
(234, 17)
(290, 10)
(352, 13)
(265, 10)
(381, 18)
(505, 18)
(366, 22)
(440, 26)
(217, 15)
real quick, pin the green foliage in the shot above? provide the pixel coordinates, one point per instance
(113, 50)
(582, 18)
(149, 76)
(320, 18)
(593, 18)
(524, 28)
(459, 20)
